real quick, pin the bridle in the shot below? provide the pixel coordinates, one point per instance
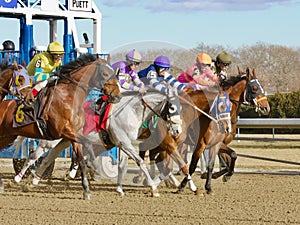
(250, 97)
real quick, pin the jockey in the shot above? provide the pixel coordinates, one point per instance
(157, 76)
(200, 72)
(221, 65)
(43, 65)
(127, 77)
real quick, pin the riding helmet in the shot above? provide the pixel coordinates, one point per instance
(162, 61)
(8, 45)
(134, 56)
(204, 58)
(224, 57)
(55, 48)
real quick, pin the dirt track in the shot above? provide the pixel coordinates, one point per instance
(245, 199)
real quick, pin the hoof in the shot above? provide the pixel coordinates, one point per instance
(137, 179)
(210, 193)
(226, 178)
(120, 191)
(203, 175)
(87, 196)
(154, 193)
(12, 183)
(28, 187)
(178, 191)
(197, 192)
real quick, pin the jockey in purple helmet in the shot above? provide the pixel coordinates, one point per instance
(157, 76)
(127, 77)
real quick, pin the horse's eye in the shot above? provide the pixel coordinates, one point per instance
(254, 89)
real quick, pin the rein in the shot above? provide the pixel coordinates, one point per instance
(200, 110)
(18, 95)
(83, 87)
(149, 107)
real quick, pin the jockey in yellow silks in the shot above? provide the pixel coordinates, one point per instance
(43, 65)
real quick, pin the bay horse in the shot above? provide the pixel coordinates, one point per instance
(246, 89)
(14, 80)
(63, 112)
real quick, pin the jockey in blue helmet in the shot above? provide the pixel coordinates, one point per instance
(157, 76)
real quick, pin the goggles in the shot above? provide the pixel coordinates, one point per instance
(225, 64)
(204, 65)
(163, 69)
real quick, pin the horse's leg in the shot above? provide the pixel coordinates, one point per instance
(164, 164)
(193, 164)
(53, 154)
(122, 170)
(138, 179)
(1, 184)
(82, 165)
(230, 156)
(213, 151)
(33, 157)
(130, 151)
(73, 168)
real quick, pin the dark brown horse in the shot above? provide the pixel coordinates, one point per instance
(63, 112)
(14, 80)
(246, 89)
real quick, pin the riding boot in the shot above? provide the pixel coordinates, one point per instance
(28, 105)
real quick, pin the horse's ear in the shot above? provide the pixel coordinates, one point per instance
(248, 73)
(239, 71)
(15, 65)
(254, 73)
(24, 64)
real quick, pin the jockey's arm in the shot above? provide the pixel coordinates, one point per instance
(172, 81)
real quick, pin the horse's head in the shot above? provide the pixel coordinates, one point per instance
(22, 82)
(107, 79)
(15, 79)
(254, 93)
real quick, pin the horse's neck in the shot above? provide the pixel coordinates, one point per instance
(237, 97)
(5, 81)
(134, 102)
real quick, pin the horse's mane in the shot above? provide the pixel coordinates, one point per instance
(4, 65)
(233, 80)
(79, 62)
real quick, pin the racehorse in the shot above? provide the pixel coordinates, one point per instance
(246, 89)
(14, 80)
(64, 114)
(203, 101)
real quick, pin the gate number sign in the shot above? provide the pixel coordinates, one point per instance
(80, 5)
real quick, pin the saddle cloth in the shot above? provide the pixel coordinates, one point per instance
(93, 122)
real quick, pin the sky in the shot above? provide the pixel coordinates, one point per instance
(187, 23)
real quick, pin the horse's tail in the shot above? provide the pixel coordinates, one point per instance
(17, 144)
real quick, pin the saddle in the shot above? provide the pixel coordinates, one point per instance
(27, 115)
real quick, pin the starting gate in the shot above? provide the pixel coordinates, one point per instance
(55, 12)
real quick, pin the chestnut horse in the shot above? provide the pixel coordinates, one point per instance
(63, 112)
(166, 145)
(246, 89)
